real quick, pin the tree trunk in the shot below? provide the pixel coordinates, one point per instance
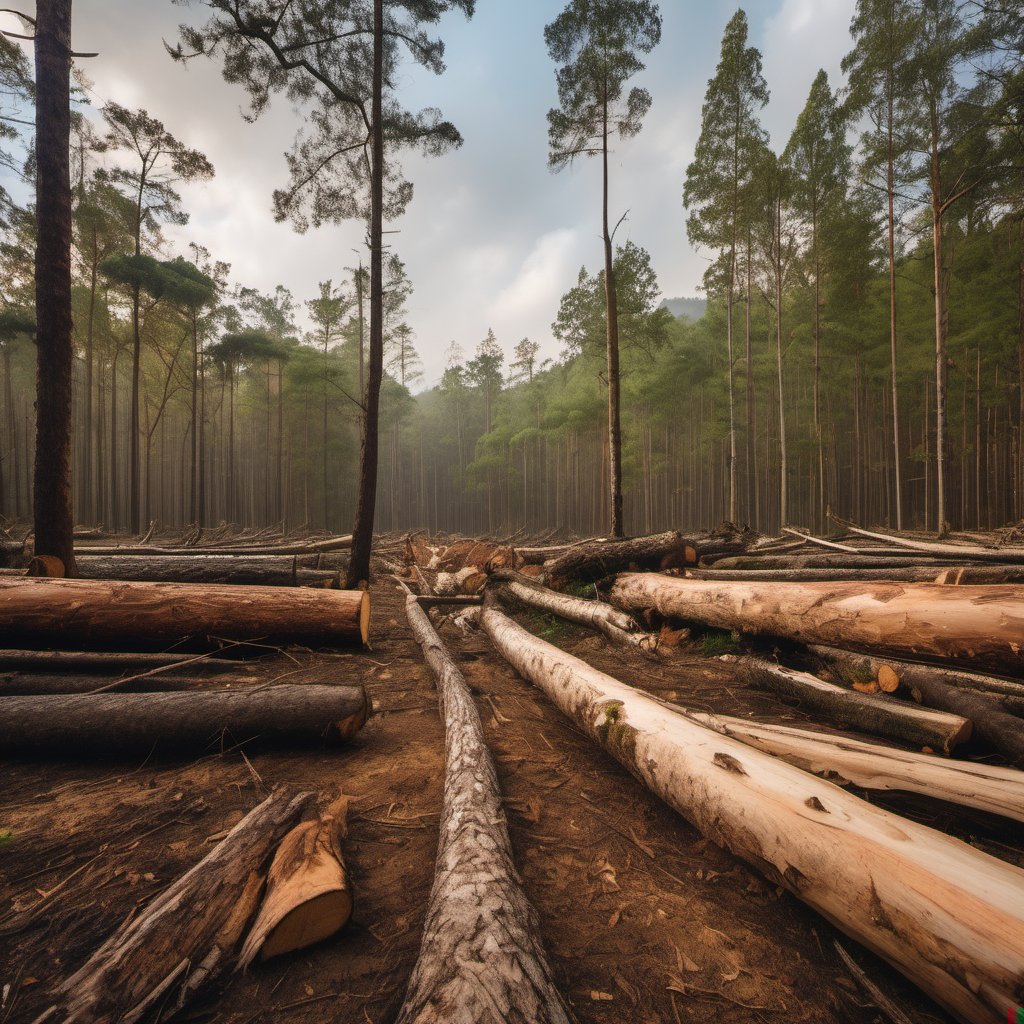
(891, 225)
(939, 287)
(966, 575)
(52, 501)
(240, 550)
(480, 960)
(25, 684)
(978, 626)
(49, 613)
(121, 723)
(266, 570)
(77, 662)
(874, 713)
(932, 906)
(190, 929)
(835, 560)
(936, 549)
(872, 766)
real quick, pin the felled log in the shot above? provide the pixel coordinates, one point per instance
(28, 683)
(958, 576)
(937, 549)
(307, 895)
(616, 625)
(872, 766)
(122, 722)
(828, 560)
(820, 541)
(873, 713)
(945, 914)
(259, 570)
(481, 960)
(979, 626)
(49, 613)
(192, 928)
(301, 548)
(124, 662)
(931, 686)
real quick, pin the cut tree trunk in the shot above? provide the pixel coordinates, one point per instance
(616, 625)
(260, 570)
(308, 896)
(945, 914)
(965, 575)
(116, 723)
(109, 661)
(185, 935)
(873, 713)
(480, 959)
(979, 626)
(1002, 731)
(306, 548)
(51, 613)
(829, 560)
(958, 552)
(28, 683)
(872, 766)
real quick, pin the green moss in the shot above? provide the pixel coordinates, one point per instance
(719, 641)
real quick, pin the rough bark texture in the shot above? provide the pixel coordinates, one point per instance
(191, 928)
(27, 683)
(959, 552)
(117, 723)
(946, 915)
(307, 548)
(873, 713)
(1001, 731)
(265, 570)
(962, 576)
(872, 766)
(93, 612)
(52, 509)
(834, 560)
(480, 959)
(982, 627)
(106, 661)
(616, 625)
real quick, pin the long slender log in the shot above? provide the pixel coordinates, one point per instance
(51, 613)
(616, 625)
(129, 722)
(306, 548)
(828, 560)
(960, 576)
(945, 914)
(106, 662)
(959, 552)
(982, 627)
(480, 959)
(820, 541)
(29, 683)
(191, 928)
(874, 713)
(872, 766)
(1002, 731)
(261, 570)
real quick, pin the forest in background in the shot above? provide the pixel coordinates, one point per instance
(246, 407)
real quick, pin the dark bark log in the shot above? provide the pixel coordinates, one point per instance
(933, 687)
(971, 574)
(828, 561)
(256, 550)
(27, 683)
(188, 933)
(980, 627)
(100, 662)
(114, 723)
(266, 570)
(480, 960)
(67, 613)
(52, 500)
(946, 915)
(872, 713)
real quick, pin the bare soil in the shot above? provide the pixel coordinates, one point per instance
(644, 920)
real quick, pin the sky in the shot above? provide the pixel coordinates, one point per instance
(492, 238)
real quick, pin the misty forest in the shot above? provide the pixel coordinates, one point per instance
(664, 665)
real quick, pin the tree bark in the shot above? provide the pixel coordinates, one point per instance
(978, 626)
(959, 552)
(48, 613)
(872, 766)
(52, 501)
(912, 574)
(190, 929)
(834, 560)
(935, 908)
(872, 713)
(23, 684)
(256, 550)
(115, 723)
(480, 960)
(96, 662)
(261, 570)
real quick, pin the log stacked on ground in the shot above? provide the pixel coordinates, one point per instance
(480, 960)
(298, 548)
(259, 570)
(50, 613)
(953, 576)
(945, 914)
(979, 626)
(131, 722)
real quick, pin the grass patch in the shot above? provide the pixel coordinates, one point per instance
(580, 588)
(717, 642)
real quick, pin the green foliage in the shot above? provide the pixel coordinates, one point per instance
(716, 642)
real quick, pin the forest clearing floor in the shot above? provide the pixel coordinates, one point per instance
(643, 919)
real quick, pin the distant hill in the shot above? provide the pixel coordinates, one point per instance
(691, 309)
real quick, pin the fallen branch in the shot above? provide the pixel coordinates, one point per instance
(962, 552)
(945, 914)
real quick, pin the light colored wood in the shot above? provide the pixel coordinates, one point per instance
(820, 541)
(481, 960)
(956, 551)
(68, 613)
(946, 915)
(307, 896)
(982, 627)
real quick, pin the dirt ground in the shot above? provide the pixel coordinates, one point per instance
(644, 920)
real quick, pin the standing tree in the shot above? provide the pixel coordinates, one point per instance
(159, 163)
(596, 42)
(880, 83)
(818, 160)
(718, 182)
(339, 59)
